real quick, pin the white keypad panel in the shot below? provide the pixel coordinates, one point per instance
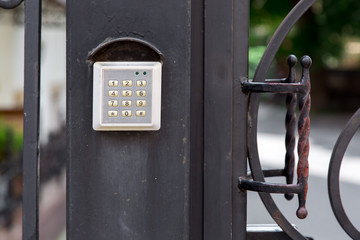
(127, 96)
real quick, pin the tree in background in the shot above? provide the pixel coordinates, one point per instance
(322, 31)
(329, 32)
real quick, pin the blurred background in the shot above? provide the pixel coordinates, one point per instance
(52, 118)
(329, 32)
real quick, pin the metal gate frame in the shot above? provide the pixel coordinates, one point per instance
(31, 165)
(227, 107)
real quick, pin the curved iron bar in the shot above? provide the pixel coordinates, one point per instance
(9, 4)
(334, 175)
(284, 28)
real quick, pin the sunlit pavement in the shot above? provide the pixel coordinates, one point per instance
(325, 129)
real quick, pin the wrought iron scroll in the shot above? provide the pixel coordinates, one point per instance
(30, 201)
(256, 86)
(9, 4)
(334, 175)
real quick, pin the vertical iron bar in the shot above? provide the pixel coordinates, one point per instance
(31, 120)
(225, 115)
(304, 131)
(218, 129)
(239, 115)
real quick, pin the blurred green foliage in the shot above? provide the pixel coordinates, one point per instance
(320, 33)
(255, 54)
(10, 142)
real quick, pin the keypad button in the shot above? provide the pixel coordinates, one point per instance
(112, 113)
(126, 113)
(127, 93)
(113, 103)
(141, 103)
(113, 93)
(140, 113)
(113, 83)
(127, 103)
(141, 83)
(141, 93)
(127, 83)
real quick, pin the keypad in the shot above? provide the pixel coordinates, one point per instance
(128, 96)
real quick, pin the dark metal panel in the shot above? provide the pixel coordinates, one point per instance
(31, 120)
(218, 120)
(241, 49)
(134, 185)
(226, 46)
(197, 120)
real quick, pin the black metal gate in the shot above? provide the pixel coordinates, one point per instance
(188, 180)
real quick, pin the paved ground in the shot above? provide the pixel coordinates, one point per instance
(52, 214)
(321, 223)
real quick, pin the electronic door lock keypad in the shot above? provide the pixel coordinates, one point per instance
(127, 96)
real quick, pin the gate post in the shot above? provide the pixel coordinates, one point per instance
(225, 118)
(136, 184)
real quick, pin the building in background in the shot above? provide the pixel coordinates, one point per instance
(53, 69)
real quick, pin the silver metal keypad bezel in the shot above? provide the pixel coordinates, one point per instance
(115, 118)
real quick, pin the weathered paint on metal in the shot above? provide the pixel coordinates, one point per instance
(304, 131)
(258, 175)
(136, 185)
(303, 144)
(226, 65)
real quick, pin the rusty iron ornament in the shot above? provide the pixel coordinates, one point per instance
(303, 91)
(257, 173)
